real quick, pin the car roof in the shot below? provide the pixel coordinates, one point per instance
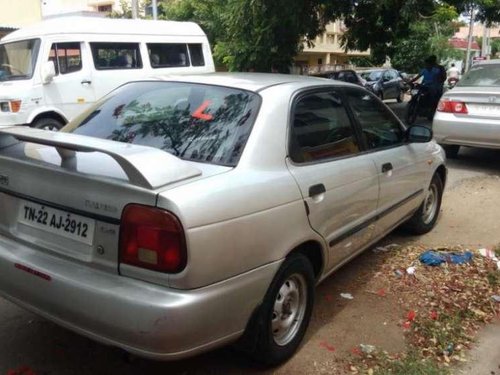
(250, 81)
(487, 62)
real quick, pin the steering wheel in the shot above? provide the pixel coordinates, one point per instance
(13, 69)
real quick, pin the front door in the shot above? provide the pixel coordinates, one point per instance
(401, 167)
(338, 183)
(71, 90)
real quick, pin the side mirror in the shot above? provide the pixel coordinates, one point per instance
(418, 134)
(48, 72)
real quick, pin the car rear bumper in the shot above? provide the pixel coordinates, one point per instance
(466, 131)
(142, 318)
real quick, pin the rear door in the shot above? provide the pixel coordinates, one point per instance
(402, 168)
(339, 184)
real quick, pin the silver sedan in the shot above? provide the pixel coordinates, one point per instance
(469, 114)
(179, 215)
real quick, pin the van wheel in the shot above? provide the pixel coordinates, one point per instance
(425, 218)
(284, 315)
(48, 123)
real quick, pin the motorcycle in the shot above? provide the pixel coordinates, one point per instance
(421, 104)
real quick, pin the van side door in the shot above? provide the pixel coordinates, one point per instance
(71, 90)
(338, 182)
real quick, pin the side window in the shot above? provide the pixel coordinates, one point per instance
(168, 55)
(111, 56)
(196, 53)
(321, 128)
(67, 57)
(379, 127)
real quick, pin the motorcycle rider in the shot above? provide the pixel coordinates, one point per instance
(432, 79)
(453, 75)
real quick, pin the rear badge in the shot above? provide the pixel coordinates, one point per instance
(32, 271)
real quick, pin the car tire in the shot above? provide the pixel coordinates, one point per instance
(276, 330)
(425, 218)
(401, 96)
(411, 112)
(451, 151)
(48, 123)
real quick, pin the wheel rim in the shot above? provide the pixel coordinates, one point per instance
(289, 309)
(430, 204)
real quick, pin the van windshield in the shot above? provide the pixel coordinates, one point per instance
(17, 59)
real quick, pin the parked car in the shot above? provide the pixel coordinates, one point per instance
(179, 215)
(53, 70)
(469, 114)
(385, 83)
(349, 76)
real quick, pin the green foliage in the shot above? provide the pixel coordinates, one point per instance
(411, 364)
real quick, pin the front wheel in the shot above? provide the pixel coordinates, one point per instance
(48, 123)
(411, 112)
(424, 219)
(284, 314)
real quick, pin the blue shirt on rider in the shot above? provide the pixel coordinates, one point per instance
(430, 76)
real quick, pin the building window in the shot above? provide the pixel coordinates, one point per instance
(104, 8)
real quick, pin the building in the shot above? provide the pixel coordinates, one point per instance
(26, 12)
(327, 53)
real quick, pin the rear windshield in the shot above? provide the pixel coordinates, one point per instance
(482, 75)
(196, 122)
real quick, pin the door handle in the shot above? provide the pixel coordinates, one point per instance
(386, 167)
(316, 190)
(86, 82)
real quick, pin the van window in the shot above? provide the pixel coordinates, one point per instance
(196, 53)
(17, 59)
(108, 56)
(67, 57)
(168, 55)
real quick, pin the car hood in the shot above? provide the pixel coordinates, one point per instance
(15, 89)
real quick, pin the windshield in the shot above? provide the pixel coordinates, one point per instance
(17, 59)
(482, 75)
(372, 76)
(192, 121)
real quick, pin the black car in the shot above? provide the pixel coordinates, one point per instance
(385, 83)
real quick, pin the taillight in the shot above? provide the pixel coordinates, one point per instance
(452, 106)
(152, 238)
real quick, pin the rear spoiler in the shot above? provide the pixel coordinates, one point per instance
(146, 167)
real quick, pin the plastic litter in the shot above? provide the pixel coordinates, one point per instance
(449, 350)
(496, 298)
(398, 273)
(367, 349)
(435, 258)
(410, 270)
(346, 295)
(385, 249)
(487, 253)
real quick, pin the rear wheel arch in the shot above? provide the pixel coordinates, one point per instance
(313, 251)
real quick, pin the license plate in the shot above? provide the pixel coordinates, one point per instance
(62, 223)
(484, 109)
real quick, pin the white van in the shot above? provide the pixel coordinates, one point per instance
(52, 71)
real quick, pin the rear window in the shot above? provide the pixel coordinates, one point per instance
(196, 122)
(482, 75)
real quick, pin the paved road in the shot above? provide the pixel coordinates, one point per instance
(27, 340)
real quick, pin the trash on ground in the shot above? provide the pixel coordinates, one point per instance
(436, 258)
(495, 298)
(385, 249)
(411, 315)
(367, 349)
(490, 254)
(327, 346)
(346, 295)
(411, 270)
(398, 273)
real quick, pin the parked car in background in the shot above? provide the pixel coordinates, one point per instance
(469, 114)
(385, 83)
(349, 76)
(53, 70)
(179, 215)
